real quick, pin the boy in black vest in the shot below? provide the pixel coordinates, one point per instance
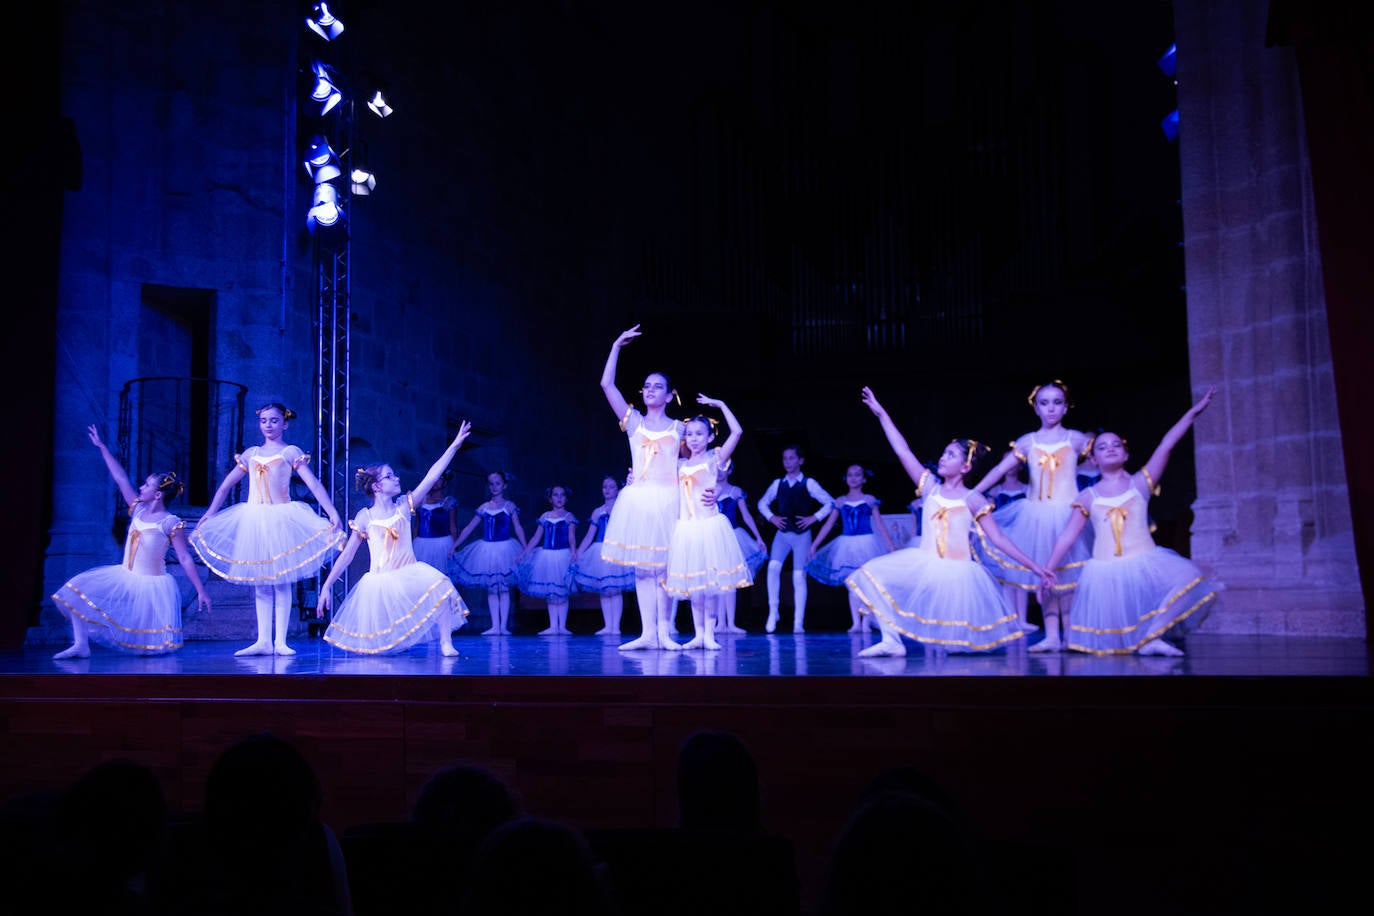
(793, 503)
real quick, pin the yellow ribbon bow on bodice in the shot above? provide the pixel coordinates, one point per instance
(651, 451)
(134, 537)
(941, 520)
(1049, 463)
(1117, 516)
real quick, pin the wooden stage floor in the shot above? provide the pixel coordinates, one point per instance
(1223, 781)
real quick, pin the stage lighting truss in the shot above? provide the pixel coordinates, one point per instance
(324, 23)
(326, 93)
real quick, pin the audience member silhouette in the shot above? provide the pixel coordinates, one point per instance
(717, 784)
(535, 867)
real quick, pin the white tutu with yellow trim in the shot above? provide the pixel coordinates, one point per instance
(931, 599)
(125, 610)
(641, 525)
(705, 557)
(393, 609)
(1034, 525)
(1124, 602)
(253, 543)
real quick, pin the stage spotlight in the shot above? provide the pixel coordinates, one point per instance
(321, 162)
(1169, 62)
(325, 93)
(364, 182)
(1170, 125)
(324, 23)
(326, 218)
(379, 106)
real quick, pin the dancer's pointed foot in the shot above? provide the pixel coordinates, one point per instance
(494, 631)
(886, 649)
(772, 623)
(448, 651)
(1160, 647)
(1028, 627)
(643, 642)
(548, 631)
(282, 648)
(74, 651)
(1048, 644)
(257, 648)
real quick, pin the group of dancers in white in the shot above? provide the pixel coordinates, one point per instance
(673, 533)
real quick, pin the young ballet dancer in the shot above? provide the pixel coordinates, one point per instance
(642, 519)
(136, 605)
(268, 541)
(792, 504)
(492, 562)
(436, 526)
(733, 503)
(593, 573)
(1132, 592)
(400, 600)
(704, 557)
(937, 594)
(546, 565)
(1051, 455)
(863, 536)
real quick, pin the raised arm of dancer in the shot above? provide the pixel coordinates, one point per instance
(117, 474)
(726, 448)
(608, 388)
(1070, 534)
(1154, 468)
(340, 564)
(188, 566)
(914, 469)
(437, 469)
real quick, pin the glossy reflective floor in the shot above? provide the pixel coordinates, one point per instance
(752, 655)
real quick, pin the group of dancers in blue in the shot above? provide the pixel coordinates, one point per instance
(677, 529)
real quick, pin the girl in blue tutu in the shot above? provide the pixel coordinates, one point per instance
(492, 563)
(863, 536)
(594, 573)
(545, 569)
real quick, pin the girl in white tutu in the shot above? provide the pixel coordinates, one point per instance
(268, 541)
(733, 503)
(642, 520)
(436, 526)
(400, 600)
(937, 593)
(1051, 456)
(546, 565)
(594, 573)
(863, 536)
(492, 562)
(704, 557)
(135, 606)
(1132, 592)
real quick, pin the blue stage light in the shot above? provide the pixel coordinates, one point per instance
(1169, 62)
(1170, 125)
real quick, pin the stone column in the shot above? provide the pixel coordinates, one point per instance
(1272, 517)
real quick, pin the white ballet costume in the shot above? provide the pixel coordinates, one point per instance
(1132, 591)
(1035, 523)
(704, 556)
(268, 539)
(938, 593)
(135, 606)
(642, 519)
(399, 601)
